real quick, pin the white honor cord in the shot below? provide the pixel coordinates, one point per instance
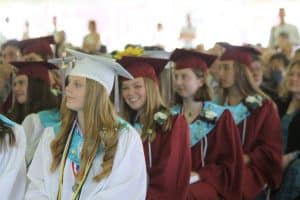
(149, 149)
(203, 150)
(244, 131)
(268, 194)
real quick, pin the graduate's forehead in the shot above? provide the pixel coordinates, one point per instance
(138, 80)
(21, 77)
(76, 78)
(183, 71)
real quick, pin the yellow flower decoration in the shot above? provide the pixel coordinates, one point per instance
(129, 51)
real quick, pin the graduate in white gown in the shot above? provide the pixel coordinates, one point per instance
(12, 160)
(92, 153)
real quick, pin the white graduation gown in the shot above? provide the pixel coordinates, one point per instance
(13, 168)
(127, 180)
(33, 129)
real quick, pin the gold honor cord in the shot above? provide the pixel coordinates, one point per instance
(77, 187)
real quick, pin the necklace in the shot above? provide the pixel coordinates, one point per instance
(75, 169)
(192, 113)
(189, 115)
(76, 188)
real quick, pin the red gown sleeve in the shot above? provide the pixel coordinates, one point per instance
(223, 168)
(171, 165)
(264, 147)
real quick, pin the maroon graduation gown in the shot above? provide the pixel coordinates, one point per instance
(221, 176)
(263, 144)
(171, 162)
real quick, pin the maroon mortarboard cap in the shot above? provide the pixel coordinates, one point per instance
(223, 44)
(144, 66)
(35, 69)
(192, 59)
(40, 46)
(242, 54)
(251, 49)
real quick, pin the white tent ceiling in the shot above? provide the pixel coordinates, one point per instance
(129, 21)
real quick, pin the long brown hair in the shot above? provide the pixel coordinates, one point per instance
(39, 97)
(4, 133)
(244, 82)
(203, 93)
(101, 126)
(154, 103)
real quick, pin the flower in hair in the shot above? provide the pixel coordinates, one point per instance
(129, 51)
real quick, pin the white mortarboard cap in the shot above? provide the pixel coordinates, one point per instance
(100, 69)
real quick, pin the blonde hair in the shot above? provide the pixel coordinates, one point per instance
(154, 103)
(284, 92)
(244, 82)
(101, 126)
(204, 93)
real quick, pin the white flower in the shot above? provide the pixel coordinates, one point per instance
(160, 116)
(210, 114)
(251, 99)
(257, 99)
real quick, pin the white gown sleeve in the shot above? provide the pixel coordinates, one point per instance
(39, 171)
(33, 130)
(13, 169)
(128, 178)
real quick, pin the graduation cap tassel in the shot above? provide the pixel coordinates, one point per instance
(65, 66)
(171, 90)
(62, 77)
(116, 94)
